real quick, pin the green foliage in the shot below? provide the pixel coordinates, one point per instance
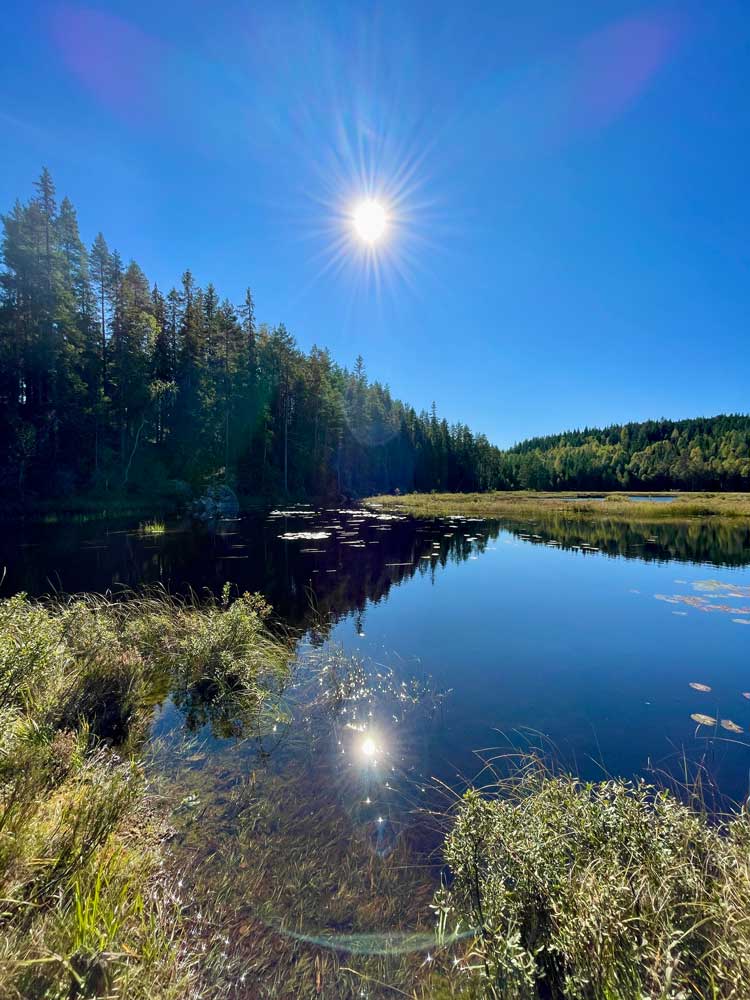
(87, 909)
(699, 454)
(613, 890)
(109, 386)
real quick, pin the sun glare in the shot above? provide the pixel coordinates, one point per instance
(370, 221)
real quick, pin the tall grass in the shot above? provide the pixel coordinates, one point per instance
(86, 906)
(609, 890)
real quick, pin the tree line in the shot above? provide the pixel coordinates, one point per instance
(704, 453)
(109, 385)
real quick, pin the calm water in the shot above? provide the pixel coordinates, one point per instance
(651, 499)
(588, 633)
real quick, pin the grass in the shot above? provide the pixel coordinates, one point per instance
(152, 527)
(87, 907)
(528, 504)
(612, 890)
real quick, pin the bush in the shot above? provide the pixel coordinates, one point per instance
(610, 890)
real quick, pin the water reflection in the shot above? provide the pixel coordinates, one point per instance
(314, 563)
(314, 858)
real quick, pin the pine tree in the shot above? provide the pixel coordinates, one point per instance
(100, 276)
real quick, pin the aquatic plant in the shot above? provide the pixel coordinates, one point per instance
(614, 889)
(306, 904)
(152, 527)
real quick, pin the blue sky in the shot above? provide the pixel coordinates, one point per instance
(567, 184)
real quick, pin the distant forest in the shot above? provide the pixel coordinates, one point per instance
(109, 385)
(704, 453)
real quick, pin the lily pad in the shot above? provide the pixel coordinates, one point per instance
(305, 536)
(731, 726)
(703, 720)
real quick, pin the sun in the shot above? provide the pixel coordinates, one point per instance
(370, 221)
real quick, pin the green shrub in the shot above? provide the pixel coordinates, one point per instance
(610, 890)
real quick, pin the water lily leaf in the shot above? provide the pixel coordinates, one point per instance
(703, 720)
(699, 687)
(305, 536)
(731, 726)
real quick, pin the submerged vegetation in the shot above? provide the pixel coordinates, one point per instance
(303, 852)
(88, 908)
(607, 890)
(616, 507)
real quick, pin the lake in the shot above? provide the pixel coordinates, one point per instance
(587, 632)
(427, 650)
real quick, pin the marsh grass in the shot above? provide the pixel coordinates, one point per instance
(599, 890)
(524, 503)
(87, 907)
